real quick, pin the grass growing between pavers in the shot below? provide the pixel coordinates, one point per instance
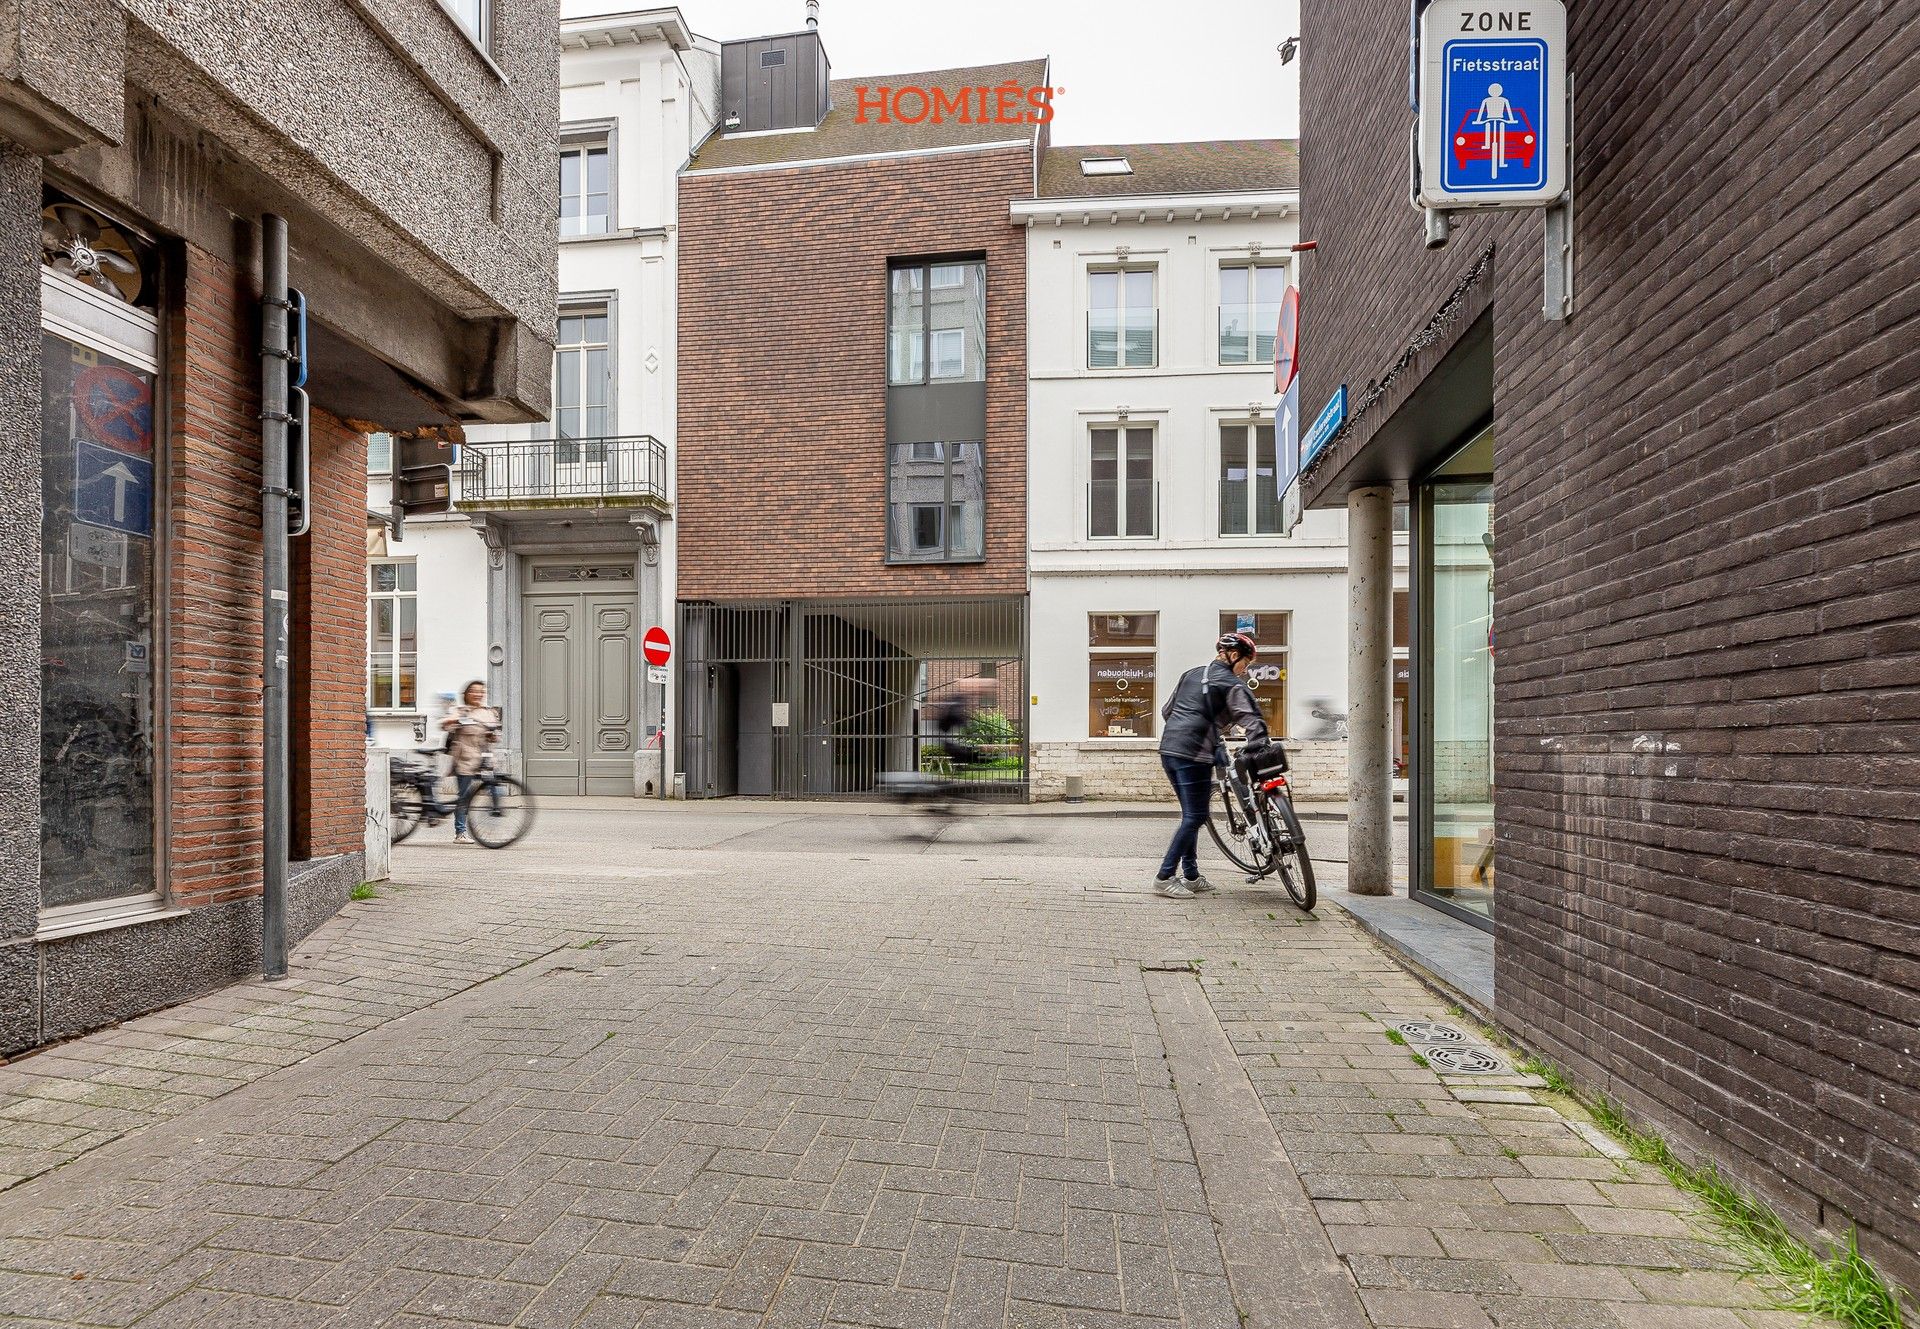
(1842, 1284)
(364, 891)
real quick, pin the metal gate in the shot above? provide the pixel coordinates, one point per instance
(816, 699)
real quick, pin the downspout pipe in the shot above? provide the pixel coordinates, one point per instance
(274, 366)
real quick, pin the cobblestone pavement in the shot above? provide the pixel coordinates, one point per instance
(776, 1066)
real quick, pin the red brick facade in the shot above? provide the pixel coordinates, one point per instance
(1707, 698)
(783, 371)
(212, 651)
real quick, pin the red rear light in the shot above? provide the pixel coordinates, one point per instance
(1272, 785)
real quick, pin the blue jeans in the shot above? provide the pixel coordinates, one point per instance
(467, 782)
(1193, 785)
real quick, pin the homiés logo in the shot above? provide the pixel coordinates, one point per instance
(912, 104)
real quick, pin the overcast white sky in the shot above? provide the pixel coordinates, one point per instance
(1134, 72)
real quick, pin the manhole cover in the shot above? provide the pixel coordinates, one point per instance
(1429, 1031)
(1464, 1061)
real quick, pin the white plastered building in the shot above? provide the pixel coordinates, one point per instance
(559, 551)
(1155, 274)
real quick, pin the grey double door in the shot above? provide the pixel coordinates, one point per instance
(582, 689)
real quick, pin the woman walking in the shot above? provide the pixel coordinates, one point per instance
(1207, 700)
(472, 727)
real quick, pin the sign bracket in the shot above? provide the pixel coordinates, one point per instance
(1558, 278)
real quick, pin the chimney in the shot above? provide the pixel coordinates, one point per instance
(813, 15)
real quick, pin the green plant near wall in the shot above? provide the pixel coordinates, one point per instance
(990, 727)
(1841, 1284)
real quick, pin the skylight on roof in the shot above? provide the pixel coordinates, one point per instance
(1105, 166)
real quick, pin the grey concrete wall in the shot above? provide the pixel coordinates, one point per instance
(19, 586)
(98, 978)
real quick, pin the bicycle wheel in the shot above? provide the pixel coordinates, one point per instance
(1291, 860)
(498, 812)
(404, 812)
(1227, 824)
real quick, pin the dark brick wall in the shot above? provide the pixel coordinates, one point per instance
(783, 372)
(1708, 569)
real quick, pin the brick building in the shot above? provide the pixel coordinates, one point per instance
(138, 152)
(1688, 515)
(852, 416)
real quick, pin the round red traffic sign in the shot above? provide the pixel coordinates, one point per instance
(1286, 342)
(657, 646)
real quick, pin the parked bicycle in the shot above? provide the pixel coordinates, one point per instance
(1251, 819)
(497, 808)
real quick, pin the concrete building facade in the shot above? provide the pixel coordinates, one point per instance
(1155, 275)
(1686, 514)
(560, 548)
(140, 145)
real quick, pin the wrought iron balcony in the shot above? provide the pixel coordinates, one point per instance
(564, 472)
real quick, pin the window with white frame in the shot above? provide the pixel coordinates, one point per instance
(473, 15)
(586, 188)
(1122, 496)
(1123, 323)
(1249, 491)
(582, 385)
(393, 644)
(1250, 292)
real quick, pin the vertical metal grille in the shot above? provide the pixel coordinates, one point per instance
(814, 699)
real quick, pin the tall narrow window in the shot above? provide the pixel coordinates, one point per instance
(582, 387)
(1250, 311)
(1267, 676)
(936, 502)
(937, 323)
(379, 454)
(1122, 322)
(1120, 675)
(1122, 497)
(393, 645)
(1249, 494)
(586, 189)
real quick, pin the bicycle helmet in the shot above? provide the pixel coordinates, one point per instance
(1239, 643)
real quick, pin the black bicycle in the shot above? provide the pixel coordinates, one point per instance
(1251, 818)
(497, 808)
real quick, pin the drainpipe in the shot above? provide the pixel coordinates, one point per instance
(274, 356)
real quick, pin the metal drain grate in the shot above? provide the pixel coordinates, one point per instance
(1429, 1031)
(1464, 1061)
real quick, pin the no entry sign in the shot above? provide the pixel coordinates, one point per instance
(657, 646)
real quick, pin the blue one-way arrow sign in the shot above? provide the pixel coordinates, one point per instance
(112, 489)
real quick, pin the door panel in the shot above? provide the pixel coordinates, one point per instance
(610, 688)
(551, 740)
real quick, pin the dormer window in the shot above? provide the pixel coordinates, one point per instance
(1105, 166)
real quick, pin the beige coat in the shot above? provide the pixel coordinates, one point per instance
(470, 738)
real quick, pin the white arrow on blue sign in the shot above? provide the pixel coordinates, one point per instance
(112, 489)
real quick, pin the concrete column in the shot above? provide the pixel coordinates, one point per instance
(1370, 691)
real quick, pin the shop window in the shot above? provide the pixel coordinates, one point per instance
(393, 644)
(1121, 662)
(98, 601)
(1267, 677)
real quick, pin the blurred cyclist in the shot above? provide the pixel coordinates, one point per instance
(1208, 700)
(953, 712)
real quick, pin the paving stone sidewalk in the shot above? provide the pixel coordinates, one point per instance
(689, 1067)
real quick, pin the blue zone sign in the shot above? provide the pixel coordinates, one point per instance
(112, 489)
(1492, 104)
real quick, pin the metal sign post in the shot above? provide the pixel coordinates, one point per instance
(275, 356)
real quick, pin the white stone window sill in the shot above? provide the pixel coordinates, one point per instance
(72, 920)
(1120, 745)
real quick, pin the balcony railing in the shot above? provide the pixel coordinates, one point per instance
(539, 469)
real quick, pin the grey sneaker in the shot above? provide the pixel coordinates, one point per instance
(1172, 887)
(463, 838)
(1199, 885)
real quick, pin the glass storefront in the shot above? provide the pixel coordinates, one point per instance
(1453, 565)
(98, 605)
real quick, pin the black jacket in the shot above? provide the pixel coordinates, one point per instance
(1208, 699)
